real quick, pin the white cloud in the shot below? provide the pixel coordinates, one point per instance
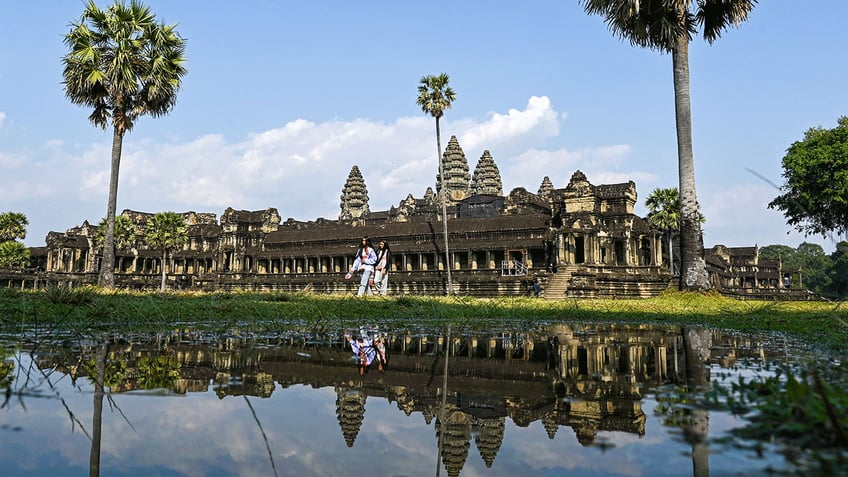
(739, 216)
(12, 160)
(299, 167)
(538, 120)
(2, 117)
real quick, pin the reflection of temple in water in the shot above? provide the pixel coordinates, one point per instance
(350, 410)
(589, 378)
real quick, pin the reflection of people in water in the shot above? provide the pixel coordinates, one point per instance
(367, 352)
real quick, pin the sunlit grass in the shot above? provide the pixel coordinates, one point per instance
(93, 308)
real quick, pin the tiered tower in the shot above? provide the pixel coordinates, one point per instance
(546, 189)
(488, 438)
(487, 177)
(354, 197)
(455, 441)
(350, 411)
(455, 169)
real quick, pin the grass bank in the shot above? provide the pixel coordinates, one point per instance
(90, 309)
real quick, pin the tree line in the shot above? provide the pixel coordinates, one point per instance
(824, 274)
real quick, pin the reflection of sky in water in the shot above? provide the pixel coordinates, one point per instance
(200, 435)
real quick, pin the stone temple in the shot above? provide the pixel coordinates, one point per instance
(577, 240)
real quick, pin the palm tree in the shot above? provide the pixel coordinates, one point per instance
(123, 235)
(13, 254)
(12, 226)
(664, 213)
(165, 231)
(434, 97)
(669, 26)
(122, 64)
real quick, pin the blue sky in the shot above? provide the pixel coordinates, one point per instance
(283, 98)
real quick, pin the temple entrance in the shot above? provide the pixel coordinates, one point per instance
(619, 253)
(579, 249)
(645, 252)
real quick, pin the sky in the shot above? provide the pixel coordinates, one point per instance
(283, 98)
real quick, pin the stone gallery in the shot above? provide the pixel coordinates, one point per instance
(580, 240)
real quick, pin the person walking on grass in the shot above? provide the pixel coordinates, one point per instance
(364, 263)
(382, 268)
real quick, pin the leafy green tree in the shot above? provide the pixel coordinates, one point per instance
(838, 272)
(815, 194)
(165, 231)
(786, 254)
(123, 65)
(434, 97)
(124, 232)
(814, 267)
(12, 226)
(668, 26)
(13, 254)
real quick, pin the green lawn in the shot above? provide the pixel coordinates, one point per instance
(88, 309)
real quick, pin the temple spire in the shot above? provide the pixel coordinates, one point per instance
(487, 177)
(354, 197)
(546, 190)
(455, 169)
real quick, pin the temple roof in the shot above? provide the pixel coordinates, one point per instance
(247, 216)
(614, 191)
(392, 229)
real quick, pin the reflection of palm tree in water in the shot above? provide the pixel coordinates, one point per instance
(443, 409)
(97, 419)
(697, 343)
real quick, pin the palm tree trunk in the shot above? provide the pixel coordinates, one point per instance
(107, 266)
(693, 271)
(164, 264)
(443, 199)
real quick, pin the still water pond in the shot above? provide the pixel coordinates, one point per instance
(554, 401)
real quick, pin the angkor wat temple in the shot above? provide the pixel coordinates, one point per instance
(581, 240)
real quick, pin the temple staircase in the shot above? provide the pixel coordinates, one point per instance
(556, 287)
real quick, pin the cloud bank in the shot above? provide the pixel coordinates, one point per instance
(300, 168)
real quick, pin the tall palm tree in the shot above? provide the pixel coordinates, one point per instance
(668, 26)
(434, 97)
(664, 213)
(122, 64)
(165, 231)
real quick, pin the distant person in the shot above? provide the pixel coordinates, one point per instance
(382, 268)
(364, 264)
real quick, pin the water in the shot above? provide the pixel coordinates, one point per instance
(600, 400)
